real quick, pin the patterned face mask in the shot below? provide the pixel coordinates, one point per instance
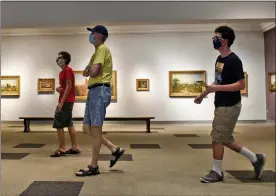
(91, 38)
(217, 42)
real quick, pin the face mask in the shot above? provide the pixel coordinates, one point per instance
(217, 43)
(91, 39)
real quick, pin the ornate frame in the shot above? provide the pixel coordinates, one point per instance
(14, 93)
(142, 89)
(45, 90)
(270, 74)
(171, 94)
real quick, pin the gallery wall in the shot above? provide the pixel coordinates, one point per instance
(269, 37)
(135, 56)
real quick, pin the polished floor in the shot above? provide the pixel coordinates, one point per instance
(169, 161)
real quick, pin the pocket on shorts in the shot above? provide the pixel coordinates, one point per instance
(106, 94)
(223, 111)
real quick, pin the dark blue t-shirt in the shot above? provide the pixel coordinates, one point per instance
(228, 70)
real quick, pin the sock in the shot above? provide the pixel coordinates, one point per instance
(250, 155)
(217, 166)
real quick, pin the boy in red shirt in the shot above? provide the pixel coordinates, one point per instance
(63, 113)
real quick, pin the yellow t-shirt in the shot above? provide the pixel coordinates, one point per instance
(102, 56)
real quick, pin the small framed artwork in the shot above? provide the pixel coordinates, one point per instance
(186, 83)
(142, 84)
(272, 81)
(10, 86)
(245, 90)
(113, 85)
(81, 86)
(46, 85)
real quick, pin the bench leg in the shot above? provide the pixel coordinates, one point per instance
(26, 126)
(148, 126)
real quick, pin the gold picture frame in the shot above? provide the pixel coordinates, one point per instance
(245, 90)
(113, 85)
(192, 83)
(81, 86)
(10, 86)
(46, 85)
(272, 81)
(142, 84)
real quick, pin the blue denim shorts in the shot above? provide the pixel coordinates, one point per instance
(98, 99)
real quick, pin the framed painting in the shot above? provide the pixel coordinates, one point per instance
(186, 83)
(245, 90)
(113, 85)
(81, 86)
(142, 84)
(10, 86)
(46, 85)
(271, 81)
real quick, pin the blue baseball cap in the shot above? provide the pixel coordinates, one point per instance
(99, 29)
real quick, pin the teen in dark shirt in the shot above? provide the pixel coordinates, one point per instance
(228, 71)
(229, 80)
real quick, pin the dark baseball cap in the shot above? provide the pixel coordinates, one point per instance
(99, 29)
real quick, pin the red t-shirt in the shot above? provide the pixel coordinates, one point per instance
(67, 74)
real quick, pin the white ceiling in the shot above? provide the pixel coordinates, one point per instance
(56, 14)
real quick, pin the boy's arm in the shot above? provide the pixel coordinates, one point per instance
(85, 72)
(206, 92)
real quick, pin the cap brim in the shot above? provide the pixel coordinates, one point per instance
(90, 29)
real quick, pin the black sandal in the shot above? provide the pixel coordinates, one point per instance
(90, 172)
(118, 153)
(57, 153)
(72, 151)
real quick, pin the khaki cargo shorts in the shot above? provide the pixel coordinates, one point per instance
(224, 123)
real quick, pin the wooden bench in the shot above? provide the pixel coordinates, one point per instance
(27, 120)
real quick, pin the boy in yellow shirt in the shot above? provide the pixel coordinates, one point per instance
(98, 99)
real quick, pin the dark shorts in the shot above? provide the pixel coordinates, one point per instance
(64, 118)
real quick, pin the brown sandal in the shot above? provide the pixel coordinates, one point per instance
(58, 153)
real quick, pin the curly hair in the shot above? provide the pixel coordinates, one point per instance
(226, 33)
(66, 56)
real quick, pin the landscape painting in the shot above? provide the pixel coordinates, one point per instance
(46, 85)
(10, 86)
(81, 86)
(142, 84)
(186, 83)
(272, 81)
(245, 90)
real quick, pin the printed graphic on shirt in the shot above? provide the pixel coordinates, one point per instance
(219, 68)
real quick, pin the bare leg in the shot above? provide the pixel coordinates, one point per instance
(108, 144)
(72, 133)
(87, 130)
(235, 146)
(61, 138)
(96, 133)
(218, 151)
